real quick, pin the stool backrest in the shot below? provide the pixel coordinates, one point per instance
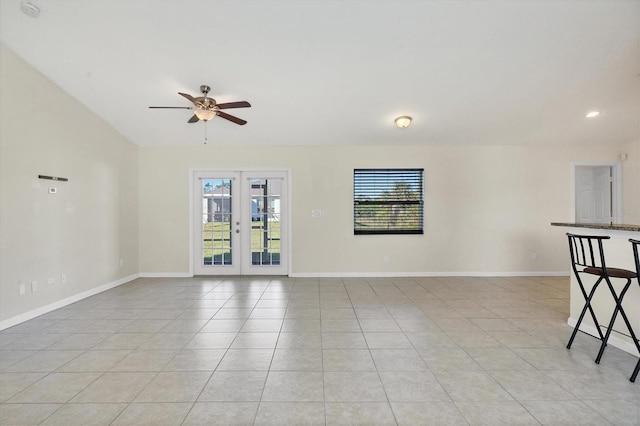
(635, 244)
(586, 250)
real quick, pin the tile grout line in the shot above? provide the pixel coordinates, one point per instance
(266, 378)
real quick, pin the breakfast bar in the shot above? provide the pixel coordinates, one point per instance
(618, 254)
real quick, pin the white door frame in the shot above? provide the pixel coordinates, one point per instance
(192, 195)
(616, 188)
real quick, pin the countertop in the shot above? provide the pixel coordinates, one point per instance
(616, 227)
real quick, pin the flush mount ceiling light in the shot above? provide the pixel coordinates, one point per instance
(29, 9)
(592, 114)
(403, 121)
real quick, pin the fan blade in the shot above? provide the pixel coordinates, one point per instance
(193, 119)
(156, 107)
(186, 95)
(231, 118)
(240, 104)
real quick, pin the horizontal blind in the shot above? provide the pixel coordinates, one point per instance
(388, 201)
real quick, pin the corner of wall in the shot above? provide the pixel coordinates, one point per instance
(84, 236)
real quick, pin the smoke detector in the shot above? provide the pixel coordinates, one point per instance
(30, 9)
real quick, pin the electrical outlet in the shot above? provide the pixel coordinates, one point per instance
(121, 263)
(34, 286)
(534, 257)
(387, 259)
(63, 278)
(51, 280)
(23, 289)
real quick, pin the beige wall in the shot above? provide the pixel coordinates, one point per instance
(487, 209)
(90, 224)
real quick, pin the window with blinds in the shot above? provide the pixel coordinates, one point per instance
(388, 201)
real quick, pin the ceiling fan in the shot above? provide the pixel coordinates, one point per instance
(205, 108)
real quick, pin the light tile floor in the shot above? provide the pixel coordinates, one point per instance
(440, 351)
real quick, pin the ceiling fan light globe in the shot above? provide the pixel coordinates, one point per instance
(204, 115)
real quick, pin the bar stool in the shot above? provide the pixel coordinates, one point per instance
(635, 244)
(587, 257)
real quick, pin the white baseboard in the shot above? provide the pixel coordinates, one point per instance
(428, 274)
(10, 322)
(622, 343)
(382, 274)
(165, 275)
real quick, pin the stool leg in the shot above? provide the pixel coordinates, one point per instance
(634, 338)
(606, 336)
(635, 372)
(613, 317)
(620, 309)
(584, 311)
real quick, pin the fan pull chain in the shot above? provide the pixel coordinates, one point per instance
(205, 132)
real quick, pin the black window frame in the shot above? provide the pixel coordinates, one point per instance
(369, 184)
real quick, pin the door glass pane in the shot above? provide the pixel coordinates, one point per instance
(265, 221)
(216, 221)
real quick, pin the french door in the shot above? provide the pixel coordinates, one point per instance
(240, 222)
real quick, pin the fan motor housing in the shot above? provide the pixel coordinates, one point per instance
(208, 102)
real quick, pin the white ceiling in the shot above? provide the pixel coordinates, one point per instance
(338, 72)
